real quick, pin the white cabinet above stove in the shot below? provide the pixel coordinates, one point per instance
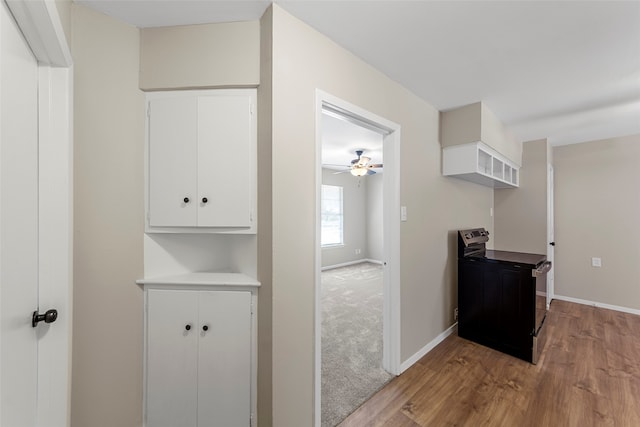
(477, 162)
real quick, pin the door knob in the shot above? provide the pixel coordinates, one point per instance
(205, 200)
(552, 243)
(49, 317)
(186, 200)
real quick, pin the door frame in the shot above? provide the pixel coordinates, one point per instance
(551, 292)
(40, 24)
(391, 233)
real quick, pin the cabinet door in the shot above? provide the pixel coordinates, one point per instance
(172, 358)
(172, 162)
(224, 365)
(226, 161)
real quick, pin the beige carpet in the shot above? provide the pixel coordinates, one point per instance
(351, 339)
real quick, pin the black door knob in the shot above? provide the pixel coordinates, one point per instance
(188, 327)
(49, 317)
(205, 328)
(552, 243)
(186, 200)
(205, 200)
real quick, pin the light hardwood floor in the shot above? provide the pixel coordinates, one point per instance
(588, 375)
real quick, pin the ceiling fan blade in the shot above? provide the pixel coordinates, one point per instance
(370, 172)
(344, 171)
(377, 165)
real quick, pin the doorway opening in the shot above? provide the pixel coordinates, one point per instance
(357, 332)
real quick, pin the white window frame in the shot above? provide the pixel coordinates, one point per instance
(341, 215)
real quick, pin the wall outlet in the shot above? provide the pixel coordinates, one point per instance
(358, 251)
(596, 262)
(455, 313)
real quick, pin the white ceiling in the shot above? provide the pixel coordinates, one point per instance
(568, 71)
(341, 139)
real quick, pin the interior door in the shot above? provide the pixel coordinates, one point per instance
(18, 226)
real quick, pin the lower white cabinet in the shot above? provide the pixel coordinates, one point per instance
(199, 367)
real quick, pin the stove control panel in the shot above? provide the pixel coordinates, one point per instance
(474, 236)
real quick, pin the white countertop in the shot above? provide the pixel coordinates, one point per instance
(202, 279)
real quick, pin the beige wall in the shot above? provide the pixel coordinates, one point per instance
(265, 228)
(476, 122)
(521, 213)
(208, 55)
(64, 11)
(597, 206)
(108, 223)
(303, 61)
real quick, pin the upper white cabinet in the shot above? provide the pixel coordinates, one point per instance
(478, 163)
(201, 161)
(478, 148)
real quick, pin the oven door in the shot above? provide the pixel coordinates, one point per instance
(540, 275)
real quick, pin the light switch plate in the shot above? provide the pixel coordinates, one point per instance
(403, 213)
(596, 262)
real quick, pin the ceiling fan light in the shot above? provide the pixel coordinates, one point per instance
(358, 171)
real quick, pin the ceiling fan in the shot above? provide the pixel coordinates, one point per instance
(361, 166)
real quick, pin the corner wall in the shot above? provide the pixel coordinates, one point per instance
(108, 222)
(521, 213)
(597, 206)
(303, 61)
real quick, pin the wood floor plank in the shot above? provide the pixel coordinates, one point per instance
(588, 375)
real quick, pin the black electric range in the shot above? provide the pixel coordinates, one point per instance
(502, 296)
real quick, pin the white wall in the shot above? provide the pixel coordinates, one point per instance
(108, 222)
(437, 205)
(597, 207)
(375, 200)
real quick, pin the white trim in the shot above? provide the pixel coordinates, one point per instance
(348, 263)
(598, 304)
(427, 348)
(391, 215)
(41, 27)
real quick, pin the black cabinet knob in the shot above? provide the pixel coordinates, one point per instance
(205, 200)
(205, 328)
(188, 327)
(49, 317)
(186, 200)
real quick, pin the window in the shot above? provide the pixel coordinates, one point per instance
(331, 213)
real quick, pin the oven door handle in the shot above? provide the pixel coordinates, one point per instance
(542, 270)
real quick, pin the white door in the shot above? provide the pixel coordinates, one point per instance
(224, 161)
(19, 226)
(224, 363)
(172, 358)
(551, 235)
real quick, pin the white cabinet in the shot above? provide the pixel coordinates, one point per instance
(478, 163)
(199, 353)
(201, 161)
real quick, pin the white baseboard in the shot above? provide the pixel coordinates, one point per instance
(598, 304)
(427, 348)
(346, 264)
